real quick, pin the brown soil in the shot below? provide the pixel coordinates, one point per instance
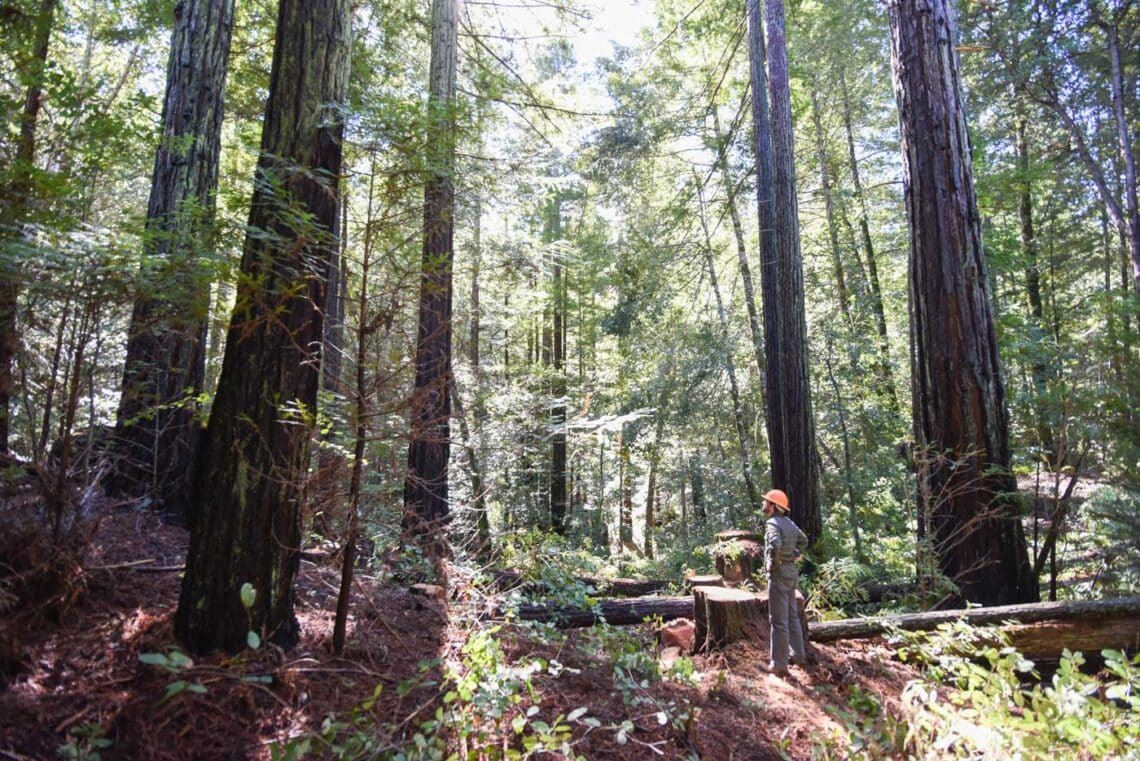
(85, 670)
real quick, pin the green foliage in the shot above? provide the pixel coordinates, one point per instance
(87, 740)
(838, 583)
(1099, 558)
(973, 698)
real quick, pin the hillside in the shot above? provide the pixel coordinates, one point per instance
(82, 679)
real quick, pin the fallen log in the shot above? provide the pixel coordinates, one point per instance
(1036, 629)
(633, 610)
(507, 580)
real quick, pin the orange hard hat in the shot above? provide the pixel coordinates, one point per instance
(777, 498)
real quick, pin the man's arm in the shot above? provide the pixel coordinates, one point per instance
(773, 541)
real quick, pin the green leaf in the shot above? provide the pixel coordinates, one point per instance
(248, 595)
(253, 640)
(197, 689)
(180, 660)
(174, 688)
(155, 659)
(577, 713)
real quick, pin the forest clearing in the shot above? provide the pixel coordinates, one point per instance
(384, 379)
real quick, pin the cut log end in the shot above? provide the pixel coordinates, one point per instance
(725, 615)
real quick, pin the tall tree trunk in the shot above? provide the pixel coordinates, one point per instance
(15, 201)
(766, 211)
(1038, 368)
(625, 493)
(1124, 135)
(729, 182)
(558, 387)
(700, 511)
(482, 545)
(156, 429)
(360, 415)
(249, 485)
(801, 475)
(730, 367)
(654, 466)
(960, 421)
(829, 207)
(425, 487)
(886, 378)
(848, 478)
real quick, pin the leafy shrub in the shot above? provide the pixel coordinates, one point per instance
(973, 700)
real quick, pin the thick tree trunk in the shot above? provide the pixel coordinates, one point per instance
(766, 210)
(14, 203)
(250, 481)
(724, 615)
(616, 612)
(965, 491)
(156, 430)
(801, 475)
(1037, 629)
(425, 487)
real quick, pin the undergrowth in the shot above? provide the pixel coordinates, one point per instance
(979, 698)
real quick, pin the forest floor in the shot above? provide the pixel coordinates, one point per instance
(78, 686)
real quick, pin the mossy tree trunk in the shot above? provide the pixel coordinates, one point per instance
(249, 484)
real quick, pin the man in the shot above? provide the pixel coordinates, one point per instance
(783, 545)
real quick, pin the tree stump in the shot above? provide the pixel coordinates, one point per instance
(725, 615)
(708, 580)
(739, 554)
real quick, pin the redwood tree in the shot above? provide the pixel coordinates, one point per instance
(248, 485)
(966, 510)
(425, 486)
(165, 366)
(799, 474)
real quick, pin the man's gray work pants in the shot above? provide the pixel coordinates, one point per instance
(785, 619)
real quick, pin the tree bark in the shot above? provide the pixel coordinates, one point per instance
(801, 475)
(15, 201)
(965, 491)
(156, 429)
(558, 491)
(616, 612)
(1038, 630)
(766, 211)
(250, 482)
(724, 615)
(425, 487)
